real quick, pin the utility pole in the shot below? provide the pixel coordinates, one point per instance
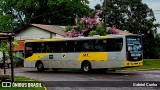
(10, 51)
(104, 10)
(4, 62)
(11, 58)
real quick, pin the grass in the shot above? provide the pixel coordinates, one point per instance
(22, 79)
(148, 64)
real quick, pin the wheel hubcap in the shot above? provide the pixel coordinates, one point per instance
(86, 68)
(39, 66)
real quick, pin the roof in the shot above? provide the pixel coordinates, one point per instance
(50, 28)
(121, 32)
(5, 35)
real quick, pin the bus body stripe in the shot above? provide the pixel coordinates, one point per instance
(96, 56)
(37, 56)
(46, 40)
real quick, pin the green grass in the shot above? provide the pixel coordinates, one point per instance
(148, 64)
(22, 79)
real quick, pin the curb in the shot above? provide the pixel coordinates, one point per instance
(139, 70)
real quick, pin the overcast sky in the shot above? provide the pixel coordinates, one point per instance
(154, 4)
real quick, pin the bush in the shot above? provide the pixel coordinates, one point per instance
(5, 77)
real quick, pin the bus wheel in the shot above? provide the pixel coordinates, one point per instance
(86, 66)
(40, 67)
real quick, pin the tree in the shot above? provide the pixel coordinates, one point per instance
(85, 27)
(56, 12)
(89, 26)
(9, 18)
(4, 47)
(135, 17)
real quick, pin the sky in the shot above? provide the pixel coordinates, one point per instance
(153, 4)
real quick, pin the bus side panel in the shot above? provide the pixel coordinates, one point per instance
(74, 60)
(29, 63)
(64, 60)
(117, 58)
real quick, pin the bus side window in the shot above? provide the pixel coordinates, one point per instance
(78, 46)
(48, 49)
(70, 46)
(115, 44)
(88, 45)
(43, 48)
(60, 46)
(99, 45)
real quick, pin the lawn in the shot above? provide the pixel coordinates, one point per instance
(22, 79)
(148, 64)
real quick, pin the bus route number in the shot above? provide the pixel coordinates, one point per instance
(85, 55)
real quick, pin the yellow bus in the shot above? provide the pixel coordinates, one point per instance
(86, 53)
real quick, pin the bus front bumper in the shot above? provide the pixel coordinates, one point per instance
(133, 63)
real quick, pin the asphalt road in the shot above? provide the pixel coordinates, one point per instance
(77, 80)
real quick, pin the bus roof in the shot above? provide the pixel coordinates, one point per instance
(79, 38)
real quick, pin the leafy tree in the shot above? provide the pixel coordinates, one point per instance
(157, 45)
(135, 17)
(9, 18)
(4, 47)
(89, 26)
(16, 13)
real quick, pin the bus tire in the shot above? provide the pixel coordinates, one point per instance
(40, 66)
(86, 66)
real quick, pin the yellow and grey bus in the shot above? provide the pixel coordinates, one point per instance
(86, 53)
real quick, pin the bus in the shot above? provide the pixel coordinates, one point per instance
(86, 53)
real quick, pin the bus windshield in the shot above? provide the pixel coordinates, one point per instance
(134, 48)
(28, 50)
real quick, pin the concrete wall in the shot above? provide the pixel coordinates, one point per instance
(33, 33)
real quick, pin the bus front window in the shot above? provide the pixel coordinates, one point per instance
(134, 48)
(28, 50)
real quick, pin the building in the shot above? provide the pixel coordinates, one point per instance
(35, 31)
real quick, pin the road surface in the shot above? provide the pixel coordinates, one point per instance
(119, 80)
